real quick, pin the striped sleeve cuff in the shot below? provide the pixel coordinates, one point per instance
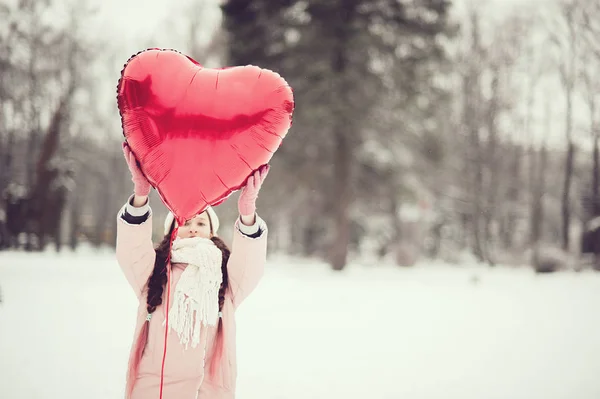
(135, 211)
(254, 231)
(135, 215)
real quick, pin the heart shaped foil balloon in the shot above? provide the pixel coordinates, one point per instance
(198, 133)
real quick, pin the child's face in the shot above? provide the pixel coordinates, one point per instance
(199, 226)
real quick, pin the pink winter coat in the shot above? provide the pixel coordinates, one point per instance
(184, 369)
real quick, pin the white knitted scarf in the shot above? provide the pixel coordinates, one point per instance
(196, 296)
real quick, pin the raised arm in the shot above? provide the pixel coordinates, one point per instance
(249, 248)
(246, 265)
(135, 252)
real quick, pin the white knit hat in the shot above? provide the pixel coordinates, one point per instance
(212, 215)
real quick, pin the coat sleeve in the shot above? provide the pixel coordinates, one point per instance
(246, 263)
(135, 252)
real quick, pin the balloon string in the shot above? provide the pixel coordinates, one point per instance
(168, 265)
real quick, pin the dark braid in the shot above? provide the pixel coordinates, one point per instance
(218, 342)
(158, 278)
(226, 252)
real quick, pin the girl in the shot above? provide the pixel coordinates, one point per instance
(195, 357)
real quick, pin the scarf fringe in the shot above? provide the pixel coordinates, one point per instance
(196, 298)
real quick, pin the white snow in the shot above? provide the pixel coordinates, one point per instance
(432, 331)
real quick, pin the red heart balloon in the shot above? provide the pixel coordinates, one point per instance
(198, 133)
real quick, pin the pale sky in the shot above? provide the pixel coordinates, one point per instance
(133, 25)
(131, 18)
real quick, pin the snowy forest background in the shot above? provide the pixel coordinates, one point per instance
(424, 129)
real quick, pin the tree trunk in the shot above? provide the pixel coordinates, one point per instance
(566, 203)
(476, 233)
(493, 168)
(534, 184)
(342, 195)
(343, 135)
(475, 170)
(472, 121)
(74, 221)
(42, 194)
(532, 158)
(540, 189)
(568, 73)
(539, 186)
(7, 166)
(596, 176)
(513, 196)
(34, 125)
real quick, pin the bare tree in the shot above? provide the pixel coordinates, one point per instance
(591, 89)
(538, 170)
(564, 36)
(589, 53)
(50, 57)
(471, 121)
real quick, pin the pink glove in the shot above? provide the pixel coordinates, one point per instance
(247, 200)
(141, 185)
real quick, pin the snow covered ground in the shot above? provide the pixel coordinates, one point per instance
(432, 331)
